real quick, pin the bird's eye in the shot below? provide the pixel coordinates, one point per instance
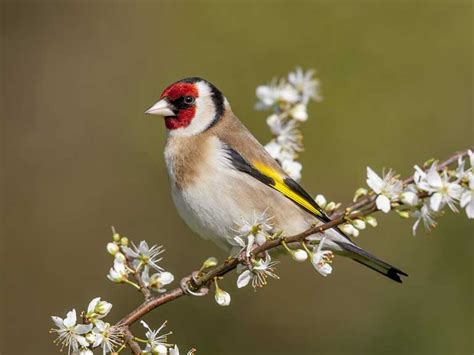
(189, 100)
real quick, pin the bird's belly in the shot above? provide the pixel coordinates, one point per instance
(214, 207)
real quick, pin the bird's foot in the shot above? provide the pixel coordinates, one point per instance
(189, 285)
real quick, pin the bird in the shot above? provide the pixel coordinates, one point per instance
(220, 174)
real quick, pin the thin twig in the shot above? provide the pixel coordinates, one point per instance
(132, 344)
(363, 207)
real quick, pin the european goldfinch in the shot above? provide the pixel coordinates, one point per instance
(220, 174)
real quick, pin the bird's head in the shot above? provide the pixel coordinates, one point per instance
(190, 106)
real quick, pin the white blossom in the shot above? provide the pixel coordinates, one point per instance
(292, 168)
(290, 139)
(118, 273)
(425, 215)
(275, 150)
(254, 231)
(144, 255)
(98, 309)
(156, 344)
(387, 188)
(108, 337)
(70, 334)
(305, 84)
(443, 192)
(275, 93)
(258, 273)
(157, 280)
(287, 136)
(321, 259)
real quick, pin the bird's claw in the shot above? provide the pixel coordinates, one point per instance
(188, 285)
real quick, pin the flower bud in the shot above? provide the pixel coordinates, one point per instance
(330, 207)
(103, 308)
(222, 297)
(209, 262)
(300, 255)
(166, 278)
(359, 224)
(112, 248)
(116, 237)
(120, 257)
(371, 221)
(321, 201)
(359, 193)
(403, 214)
(409, 198)
(349, 230)
(85, 352)
(124, 241)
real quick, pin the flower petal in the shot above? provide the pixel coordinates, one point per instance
(383, 203)
(71, 319)
(374, 181)
(83, 328)
(93, 304)
(244, 279)
(435, 201)
(58, 321)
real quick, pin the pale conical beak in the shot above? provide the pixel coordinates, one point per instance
(161, 108)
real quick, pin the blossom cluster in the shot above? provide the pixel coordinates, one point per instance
(80, 338)
(432, 191)
(140, 262)
(257, 269)
(133, 265)
(94, 333)
(288, 99)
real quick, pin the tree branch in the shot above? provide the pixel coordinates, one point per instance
(363, 207)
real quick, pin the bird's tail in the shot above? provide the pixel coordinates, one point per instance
(367, 259)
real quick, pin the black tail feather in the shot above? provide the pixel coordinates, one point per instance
(372, 262)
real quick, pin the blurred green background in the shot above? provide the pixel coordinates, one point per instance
(80, 155)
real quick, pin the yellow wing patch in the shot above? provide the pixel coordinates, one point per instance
(281, 186)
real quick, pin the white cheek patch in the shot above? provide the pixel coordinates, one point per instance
(205, 113)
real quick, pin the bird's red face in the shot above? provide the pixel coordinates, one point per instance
(181, 98)
(189, 106)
